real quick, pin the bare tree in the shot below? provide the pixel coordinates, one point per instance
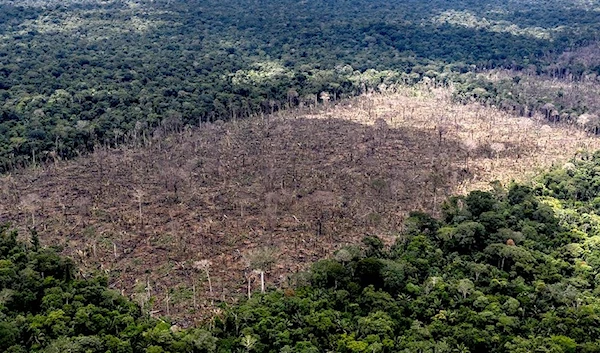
(139, 196)
(204, 265)
(31, 203)
(168, 300)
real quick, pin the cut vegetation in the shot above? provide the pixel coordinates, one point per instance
(250, 203)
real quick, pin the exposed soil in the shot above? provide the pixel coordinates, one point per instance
(290, 188)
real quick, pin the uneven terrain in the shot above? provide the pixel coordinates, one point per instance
(275, 192)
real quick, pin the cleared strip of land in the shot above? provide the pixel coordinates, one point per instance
(279, 191)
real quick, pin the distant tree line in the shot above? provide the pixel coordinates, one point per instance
(74, 76)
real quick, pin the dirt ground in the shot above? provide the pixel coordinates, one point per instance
(273, 193)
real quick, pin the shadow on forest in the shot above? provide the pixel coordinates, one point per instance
(11, 15)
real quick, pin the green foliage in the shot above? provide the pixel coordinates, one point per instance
(453, 285)
(43, 308)
(513, 271)
(104, 72)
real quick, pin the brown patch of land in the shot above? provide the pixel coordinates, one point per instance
(276, 192)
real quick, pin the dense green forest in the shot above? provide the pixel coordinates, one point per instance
(513, 269)
(509, 270)
(77, 74)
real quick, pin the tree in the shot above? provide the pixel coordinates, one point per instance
(31, 203)
(204, 265)
(248, 342)
(139, 195)
(259, 260)
(464, 287)
(377, 323)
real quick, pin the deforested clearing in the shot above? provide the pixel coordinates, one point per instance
(273, 193)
